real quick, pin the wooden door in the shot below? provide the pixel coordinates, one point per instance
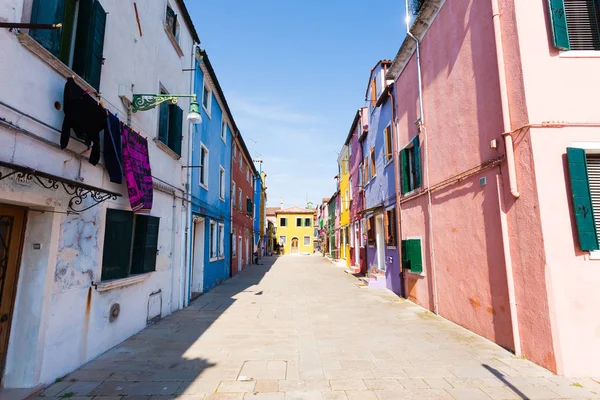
(11, 234)
(294, 245)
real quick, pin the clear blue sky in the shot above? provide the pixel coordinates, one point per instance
(294, 73)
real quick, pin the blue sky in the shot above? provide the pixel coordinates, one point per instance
(294, 73)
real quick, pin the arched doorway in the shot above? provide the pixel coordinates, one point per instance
(295, 245)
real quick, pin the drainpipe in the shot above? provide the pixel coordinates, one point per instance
(426, 142)
(508, 140)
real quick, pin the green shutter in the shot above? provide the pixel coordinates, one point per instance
(405, 180)
(145, 243)
(417, 156)
(175, 128)
(89, 45)
(67, 32)
(249, 207)
(582, 202)
(413, 248)
(558, 21)
(163, 122)
(48, 12)
(117, 244)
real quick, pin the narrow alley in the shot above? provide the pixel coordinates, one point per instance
(298, 327)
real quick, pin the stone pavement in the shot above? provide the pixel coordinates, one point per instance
(300, 328)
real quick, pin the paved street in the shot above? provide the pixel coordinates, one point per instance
(300, 328)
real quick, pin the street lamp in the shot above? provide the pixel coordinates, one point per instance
(144, 102)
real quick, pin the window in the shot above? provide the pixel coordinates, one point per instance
(233, 195)
(298, 222)
(307, 240)
(233, 244)
(389, 145)
(223, 130)
(222, 183)
(206, 98)
(390, 227)
(584, 171)
(347, 201)
(213, 241)
(240, 205)
(575, 24)
(234, 151)
(282, 240)
(203, 166)
(172, 23)
(411, 166)
(283, 222)
(241, 158)
(373, 169)
(130, 244)
(361, 178)
(371, 231)
(249, 206)
(373, 99)
(221, 241)
(412, 259)
(170, 125)
(79, 44)
(307, 222)
(367, 170)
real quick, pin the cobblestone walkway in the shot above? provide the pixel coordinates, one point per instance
(299, 328)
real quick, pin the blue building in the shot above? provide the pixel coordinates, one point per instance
(257, 202)
(211, 183)
(379, 180)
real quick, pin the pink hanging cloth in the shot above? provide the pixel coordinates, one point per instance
(138, 175)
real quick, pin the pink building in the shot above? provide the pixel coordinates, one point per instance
(500, 236)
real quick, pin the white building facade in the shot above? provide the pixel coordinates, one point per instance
(61, 218)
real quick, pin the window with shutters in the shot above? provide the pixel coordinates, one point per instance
(411, 166)
(412, 256)
(575, 24)
(206, 98)
(172, 24)
(390, 227)
(213, 241)
(233, 195)
(204, 166)
(389, 145)
(298, 222)
(249, 210)
(282, 222)
(584, 171)
(79, 44)
(371, 231)
(372, 163)
(222, 183)
(130, 244)
(307, 222)
(170, 125)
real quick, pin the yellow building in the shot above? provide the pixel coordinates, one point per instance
(345, 198)
(295, 230)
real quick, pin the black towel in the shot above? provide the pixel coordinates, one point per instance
(113, 148)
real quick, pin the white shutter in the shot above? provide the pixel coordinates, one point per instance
(593, 166)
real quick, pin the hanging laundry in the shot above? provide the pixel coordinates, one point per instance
(113, 148)
(85, 116)
(138, 175)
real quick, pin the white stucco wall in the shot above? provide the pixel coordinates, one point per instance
(60, 321)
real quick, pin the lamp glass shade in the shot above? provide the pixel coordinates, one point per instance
(194, 114)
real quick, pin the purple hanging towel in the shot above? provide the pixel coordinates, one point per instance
(138, 175)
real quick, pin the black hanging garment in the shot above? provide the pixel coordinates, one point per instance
(85, 116)
(113, 148)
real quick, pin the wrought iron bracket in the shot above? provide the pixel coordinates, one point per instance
(144, 102)
(78, 191)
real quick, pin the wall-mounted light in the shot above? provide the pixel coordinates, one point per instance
(144, 102)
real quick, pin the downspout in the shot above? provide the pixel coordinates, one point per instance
(512, 177)
(508, 140)
(426, 142)
(187, 267)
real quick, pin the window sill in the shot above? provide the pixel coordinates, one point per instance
(203, 186)
(37, 49)
(595, 255)
(173, 41)
(388, 163)
(119, 283)
(166, 149)
(391, 247)
(222, 199)
(206, 111)
(579, 54)
(213, 259)
(224, 139)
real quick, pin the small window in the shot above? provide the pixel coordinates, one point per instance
(221, 241)
(206, 98)
(307, 240)
(170, 125)
(249, 210)
(282, 240)
(411, 166)
(203, 166)
(307, 222)
(367, 171)
(233, 195)
(234, 151)
(241, 159)
(298, 222)
(283, 222)
(79, 44)
(172, 23)
(347, 201)
(373, 169)
(224, 131)
(371, 231)
(213, 241)
(240, 197)
(130, 244)
(222, 183)
(233, 244)
(389, 148)
(390, 227)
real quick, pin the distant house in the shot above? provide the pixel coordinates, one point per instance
(295, 230)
